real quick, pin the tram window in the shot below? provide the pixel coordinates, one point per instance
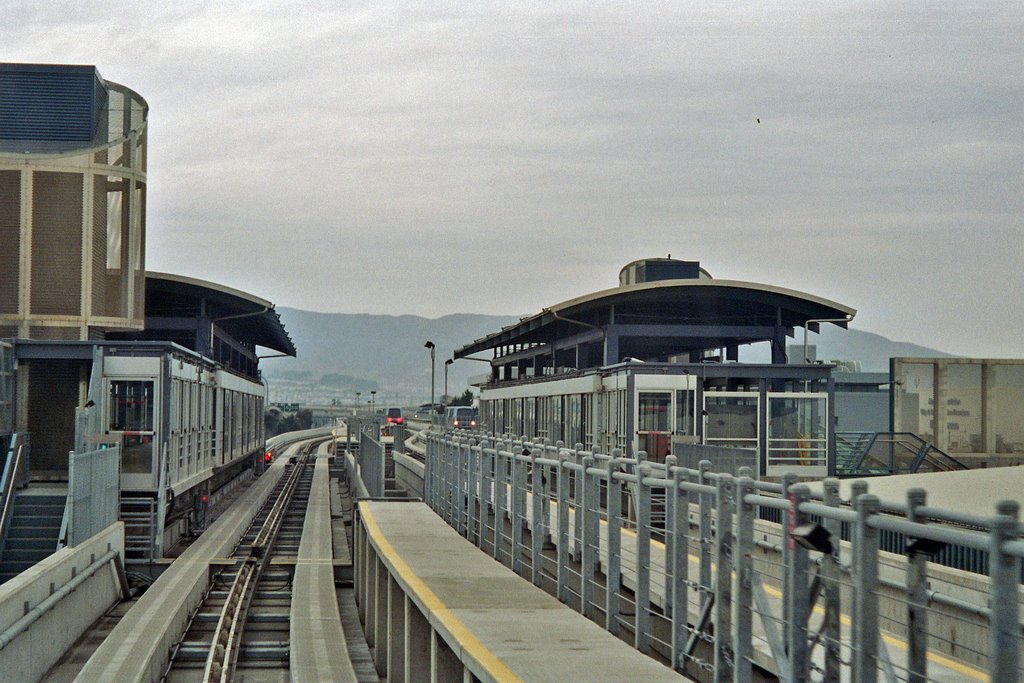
(685, 401)
(654, 409)
(131, 406)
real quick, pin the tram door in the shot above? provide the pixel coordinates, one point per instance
(654, 431)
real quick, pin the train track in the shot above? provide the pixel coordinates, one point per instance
(241, 629)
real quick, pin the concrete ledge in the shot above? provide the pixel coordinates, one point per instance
(317, 651)
(138, 647)
(437, 608)
(55, 628)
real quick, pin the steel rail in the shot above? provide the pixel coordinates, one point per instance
(227, 637)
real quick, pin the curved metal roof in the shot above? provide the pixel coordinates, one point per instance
(245, 316)
(731, 306)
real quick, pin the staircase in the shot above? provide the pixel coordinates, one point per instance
(33, 533)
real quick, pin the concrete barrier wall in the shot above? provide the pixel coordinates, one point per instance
(409, 474)
(59, 618)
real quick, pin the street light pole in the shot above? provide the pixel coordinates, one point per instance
(433, 350)
(446, 364)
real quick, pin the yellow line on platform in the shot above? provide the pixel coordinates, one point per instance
(467, 641)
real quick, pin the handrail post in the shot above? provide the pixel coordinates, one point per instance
(917, 598)
(831, 576)
(642, 592)
(865, 593)
(500, 497)
(704, 531)
(724, 651)
(680, 568)
(562, 488)
(590, 537)
(1004, 576)
(742, 620)
(670, 541)
(800, 603)
(613, 567)
(537, 516)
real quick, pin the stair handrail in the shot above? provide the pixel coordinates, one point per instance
(13, 477)
(65, 522)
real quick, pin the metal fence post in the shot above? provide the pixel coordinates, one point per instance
(562, 488)
(724, 652)
(800, 604)
(680, 568)
(865, 593)
(704, 530)
(1004, 575)
(590, 536)
(742, 621)
(500, 493)
(537, 516)
(580, 481)
(613, 567)
(642, 592)
(670, 509)
(518, 504)
(857, 489)
(831, 574)
(473, 463)
(917, 598)
(786, 541)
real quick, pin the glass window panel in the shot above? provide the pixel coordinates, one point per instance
(797, 431)
(731, 420)
(131, 406)
(916, 385)
(963, 408)
(1006, 405)
(685, 401)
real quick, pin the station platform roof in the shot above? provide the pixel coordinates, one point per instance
(246, 317)
(693, 314)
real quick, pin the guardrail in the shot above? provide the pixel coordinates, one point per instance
(644, 524)
(14, 476)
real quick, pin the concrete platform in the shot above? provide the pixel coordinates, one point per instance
(317, 641)
(137, 649)
(415, 574)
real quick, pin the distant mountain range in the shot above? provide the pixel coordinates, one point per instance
(342, 353)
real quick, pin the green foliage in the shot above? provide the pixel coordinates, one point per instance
(465, 400)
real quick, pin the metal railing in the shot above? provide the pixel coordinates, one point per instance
(370, 458)
(694, 583)
(94, 491)
(879, 453)
(14, 476)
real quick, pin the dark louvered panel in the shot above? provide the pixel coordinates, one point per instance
(10, 240)
(99, 245)
(53, 396)
(56, 243)
(52, 333)
(57, 105)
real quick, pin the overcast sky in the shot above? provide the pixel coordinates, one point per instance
(434, 158)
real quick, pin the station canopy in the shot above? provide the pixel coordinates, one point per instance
(247, 318)
(655, 320)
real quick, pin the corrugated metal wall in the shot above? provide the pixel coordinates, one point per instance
(50, 103)
(10, 238)
(56, 243)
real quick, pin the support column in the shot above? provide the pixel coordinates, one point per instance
(396, 633)
(417, 644)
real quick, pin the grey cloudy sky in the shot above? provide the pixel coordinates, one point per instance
(433, 158)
